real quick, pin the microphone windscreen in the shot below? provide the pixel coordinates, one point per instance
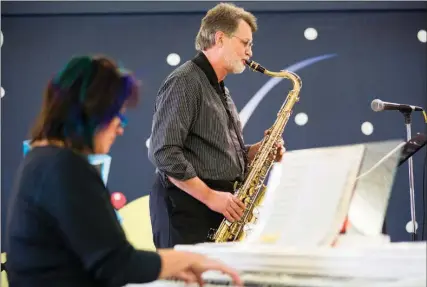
(377, 105)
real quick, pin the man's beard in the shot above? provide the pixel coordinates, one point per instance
(234, 66)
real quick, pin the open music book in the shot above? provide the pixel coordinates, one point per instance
(312, 192)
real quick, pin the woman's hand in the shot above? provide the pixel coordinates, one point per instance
(200, 267)
(189, 267)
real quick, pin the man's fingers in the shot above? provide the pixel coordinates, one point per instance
(266, 132)
(279, 143)
(239, 202)
(236, 208)
(228, 216)
(233, 213)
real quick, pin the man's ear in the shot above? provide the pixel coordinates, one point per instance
(219, 38)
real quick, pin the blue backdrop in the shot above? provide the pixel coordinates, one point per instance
(370, 51)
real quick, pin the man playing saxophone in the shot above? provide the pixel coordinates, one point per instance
(197, 141)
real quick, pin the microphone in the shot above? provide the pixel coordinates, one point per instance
(378, 106)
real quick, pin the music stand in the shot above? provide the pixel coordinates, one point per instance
(412, 146)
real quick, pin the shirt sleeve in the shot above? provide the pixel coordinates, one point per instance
(77, 199)
(176, 111)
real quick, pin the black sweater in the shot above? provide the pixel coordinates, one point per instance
(62, 230)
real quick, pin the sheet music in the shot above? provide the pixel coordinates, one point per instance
(307, 195)
(372, 192)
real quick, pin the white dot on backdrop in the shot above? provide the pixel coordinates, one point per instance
(301, 119)
(310, 33)
(173, 59)
(2, 92)
(422, 36)
(410, 227)
(367, 128)
(147, 143)
(1, 39)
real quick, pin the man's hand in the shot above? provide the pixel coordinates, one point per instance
(280, 150)
(227, 204)
(222, 202)
(279, 146)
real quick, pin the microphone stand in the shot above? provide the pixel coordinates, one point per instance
(407, 115)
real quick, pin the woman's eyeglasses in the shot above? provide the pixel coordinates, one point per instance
(123, 120)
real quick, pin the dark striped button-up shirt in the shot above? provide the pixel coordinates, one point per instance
(196, 129)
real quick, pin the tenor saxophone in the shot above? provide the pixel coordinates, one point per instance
(252, 189)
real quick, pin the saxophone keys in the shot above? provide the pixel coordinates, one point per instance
(236, 185)
(247, 230)
(256, 212)
(211, 234)
(246, 201)
(248, 227)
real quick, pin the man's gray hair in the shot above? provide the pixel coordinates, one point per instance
(223, 17)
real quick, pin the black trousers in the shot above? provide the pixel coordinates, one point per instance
(178, 218)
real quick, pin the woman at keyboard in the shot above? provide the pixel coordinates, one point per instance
(62, 230)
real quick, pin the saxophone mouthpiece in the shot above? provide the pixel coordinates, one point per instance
(255, 66)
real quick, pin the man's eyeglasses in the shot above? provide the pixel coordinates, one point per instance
(123, 120)
(247, 43)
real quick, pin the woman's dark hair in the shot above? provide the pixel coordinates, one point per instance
(87, 94)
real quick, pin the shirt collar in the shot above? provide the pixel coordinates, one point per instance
(202, 61)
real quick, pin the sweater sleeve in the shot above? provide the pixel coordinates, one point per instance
(77, 199)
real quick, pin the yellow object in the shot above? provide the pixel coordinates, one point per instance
(4, 282)
(136, 223)
(270, 238)
(425, 116)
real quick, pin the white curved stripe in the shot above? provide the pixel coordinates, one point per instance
(250, 107)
